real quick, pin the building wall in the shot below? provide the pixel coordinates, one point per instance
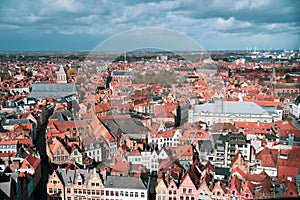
(125, 194)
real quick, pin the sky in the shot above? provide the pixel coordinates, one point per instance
(81, 25)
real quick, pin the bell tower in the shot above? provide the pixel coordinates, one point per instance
(61, 75)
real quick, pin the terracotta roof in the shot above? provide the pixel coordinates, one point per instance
(237, 170)
(237, 156)
(11, 142)
(119, 164)
(102, 107)
(223, 127)
(236, 182)
(220, 184)
(31, 160)
(181, 151)
(255, 127)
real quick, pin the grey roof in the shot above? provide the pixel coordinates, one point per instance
(231, 107)
(205, 146)
(55, 90)
(5, 190)
(10, 122)
(69, 177)
(124, 182)
(237, 138)
(61, 116)
(125, 125)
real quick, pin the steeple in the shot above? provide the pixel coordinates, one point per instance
(61, 75)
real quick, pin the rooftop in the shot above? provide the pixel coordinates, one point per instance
(124, 182)
(231, 107)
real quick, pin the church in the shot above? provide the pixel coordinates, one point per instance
(61, 75)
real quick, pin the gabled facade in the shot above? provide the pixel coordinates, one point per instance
(165, 138)
(161, 190)
(172, 190)
(234, 191)
(187, 188)
(219, 191)
(57, 151)
(204, 191)
(248, 191)
(55, 187)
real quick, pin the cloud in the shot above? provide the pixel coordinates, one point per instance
(197, 18)
(230, 24)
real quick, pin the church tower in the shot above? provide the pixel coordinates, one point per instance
(61, 75)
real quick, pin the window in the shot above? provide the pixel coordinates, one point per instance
(142, 194)
(136, 194)
(233, 192)
(121, 193)
(50, 190)
(247, 196)
(190, 191)
(68, 190)
(131, 194)
(184, 190)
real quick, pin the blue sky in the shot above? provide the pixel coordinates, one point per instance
(68, 25)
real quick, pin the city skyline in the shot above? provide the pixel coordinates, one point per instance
(76, 25)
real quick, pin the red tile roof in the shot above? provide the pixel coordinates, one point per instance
(32, 161)
(9, 142)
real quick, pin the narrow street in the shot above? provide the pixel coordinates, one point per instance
(41, 189)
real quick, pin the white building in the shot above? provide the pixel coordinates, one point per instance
(94, 150)
(122, 187)
(150, 159)
(9, 146)
(229, 111)
(295, 108)
(165, 138)
(228, 145)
